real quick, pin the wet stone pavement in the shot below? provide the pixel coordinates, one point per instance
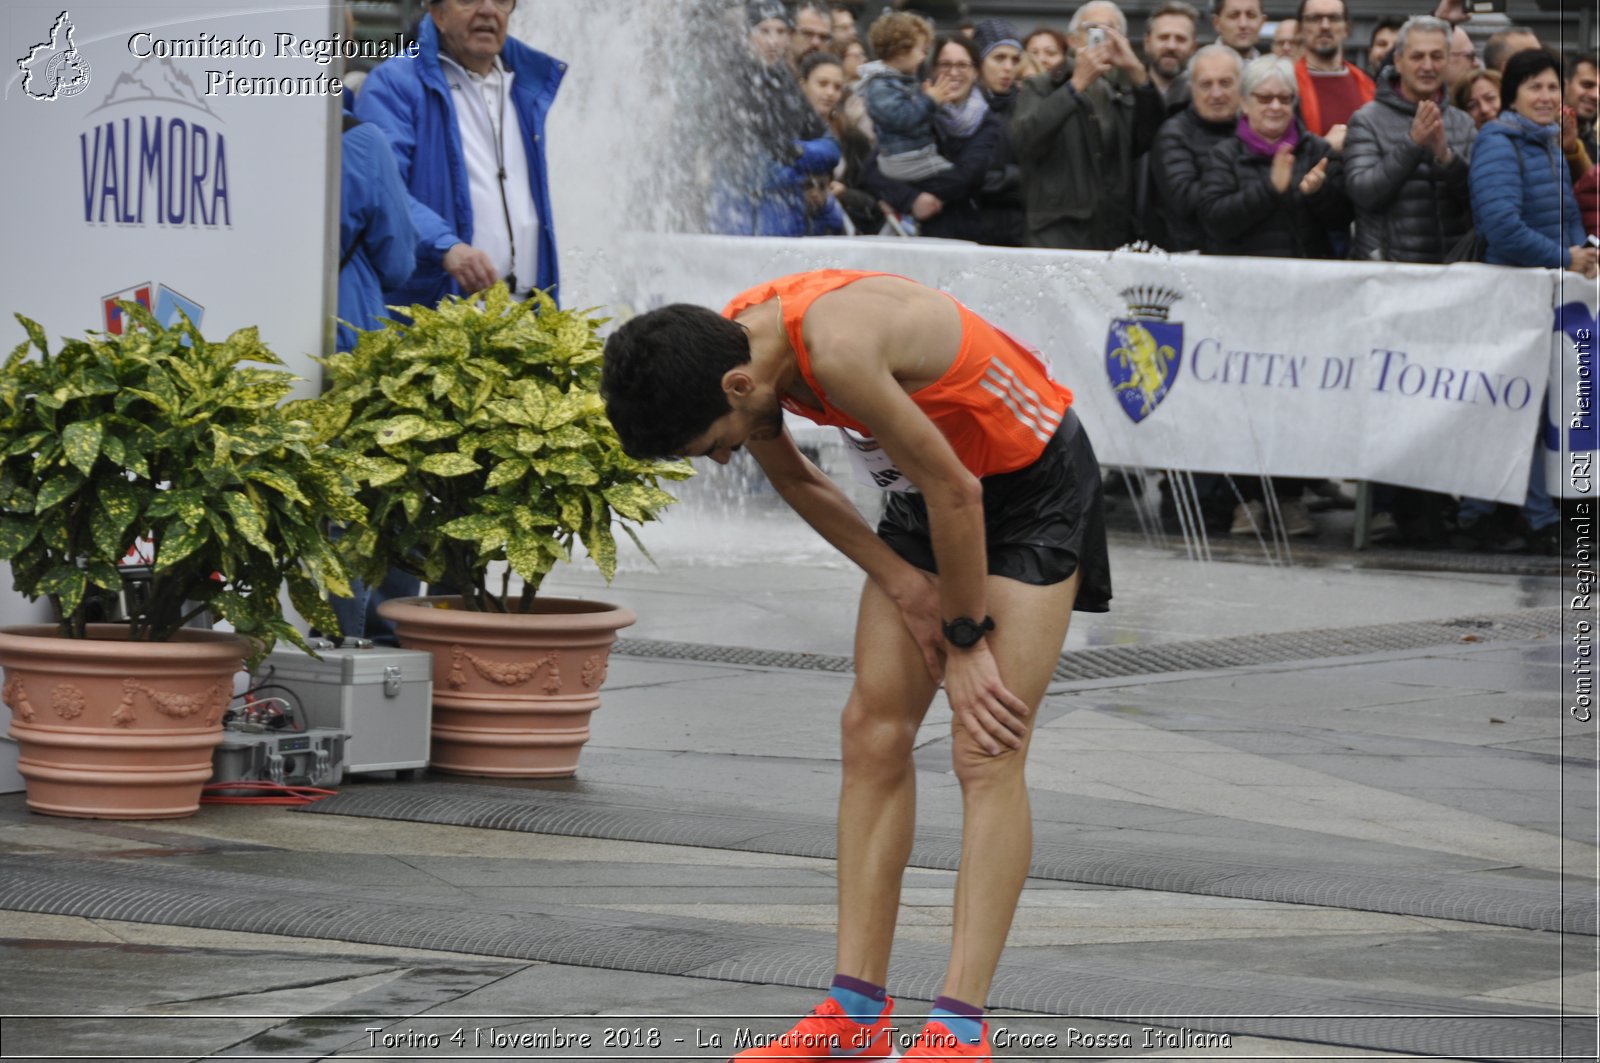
(1372, 851)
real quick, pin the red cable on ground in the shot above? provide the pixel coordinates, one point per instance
(221, 793)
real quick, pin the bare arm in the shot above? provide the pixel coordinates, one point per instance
(818, 500)
(852, 364)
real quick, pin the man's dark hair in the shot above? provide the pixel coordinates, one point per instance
(1387, 22)
(662, 376)
(1499, 43)
(1173, 7)
(1525, 64)
(1344, 13)
(1217, 6)
(1576, 59)
(821, 7)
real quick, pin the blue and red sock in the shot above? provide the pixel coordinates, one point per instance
(960, 1018)
(861, 1000)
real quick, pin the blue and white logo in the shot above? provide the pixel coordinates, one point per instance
(1143, 351)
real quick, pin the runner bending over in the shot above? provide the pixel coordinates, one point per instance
(994, 487)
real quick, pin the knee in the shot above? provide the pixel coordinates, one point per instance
(874, 740)
(979, 771)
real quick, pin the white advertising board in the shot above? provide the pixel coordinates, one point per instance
(177, 154)
(180, 154)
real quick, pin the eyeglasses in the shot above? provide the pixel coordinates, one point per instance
(502, 6)
(1317, 20)
(1266, 99)
(960, 65)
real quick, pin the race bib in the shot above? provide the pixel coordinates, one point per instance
(872, 464)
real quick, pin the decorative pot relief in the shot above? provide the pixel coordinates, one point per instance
(16, 696)
(504, 673)
(177, 706)
(594, 671)
(68, 701)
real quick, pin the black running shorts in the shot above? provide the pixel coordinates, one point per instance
(1041, 523)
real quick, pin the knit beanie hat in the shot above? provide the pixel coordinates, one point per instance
(758, 11)
(991, 33)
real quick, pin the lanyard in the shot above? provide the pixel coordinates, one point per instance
(500, 160)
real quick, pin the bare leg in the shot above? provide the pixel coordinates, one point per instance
(997, 821)
(877, 800)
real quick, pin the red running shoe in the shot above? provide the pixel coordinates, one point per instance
(827, 1034)
(937, 1043)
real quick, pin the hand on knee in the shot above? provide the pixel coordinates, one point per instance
(975, 766)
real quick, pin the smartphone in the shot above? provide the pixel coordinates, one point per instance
(1488, 7)
(1097, 36)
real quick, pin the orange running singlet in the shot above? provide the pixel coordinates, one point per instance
(996, 404)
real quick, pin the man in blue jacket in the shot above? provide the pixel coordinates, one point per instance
(377, 250)
(466, 120)
(377, 240)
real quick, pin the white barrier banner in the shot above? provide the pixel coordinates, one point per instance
(1425, 376)
(1569, 437)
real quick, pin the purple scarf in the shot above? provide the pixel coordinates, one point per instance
(1261, 145)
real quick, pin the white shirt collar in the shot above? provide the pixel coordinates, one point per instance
(451, 64)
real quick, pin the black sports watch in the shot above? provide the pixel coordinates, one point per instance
(964, 632)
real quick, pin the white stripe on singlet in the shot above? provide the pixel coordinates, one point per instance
(1041, 421)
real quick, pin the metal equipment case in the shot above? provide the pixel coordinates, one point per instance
(381, 697)
(307, 758)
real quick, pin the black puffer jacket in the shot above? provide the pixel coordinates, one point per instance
(1077, 156)
(1177, 159)
(999, 202)
(1244, 215)
(1408, 207)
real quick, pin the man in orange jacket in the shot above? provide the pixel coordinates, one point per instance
(1331, 89)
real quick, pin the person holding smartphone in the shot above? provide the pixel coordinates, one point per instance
(1077, 132)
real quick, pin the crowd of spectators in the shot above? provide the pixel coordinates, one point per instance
(1298, 144)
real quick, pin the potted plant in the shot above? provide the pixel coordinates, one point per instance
(159, 446)
(484, 454)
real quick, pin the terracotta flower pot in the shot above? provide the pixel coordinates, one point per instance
(512, 692)
(112, 729)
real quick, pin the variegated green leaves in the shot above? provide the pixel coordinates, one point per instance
(159, 434)
(479, 436)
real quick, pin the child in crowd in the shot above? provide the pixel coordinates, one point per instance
(900, 107)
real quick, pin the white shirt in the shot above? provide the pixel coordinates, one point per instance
(485, 115)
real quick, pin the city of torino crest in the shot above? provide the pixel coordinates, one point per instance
(1143, 350)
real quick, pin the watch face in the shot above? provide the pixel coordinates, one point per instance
(963, 632)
